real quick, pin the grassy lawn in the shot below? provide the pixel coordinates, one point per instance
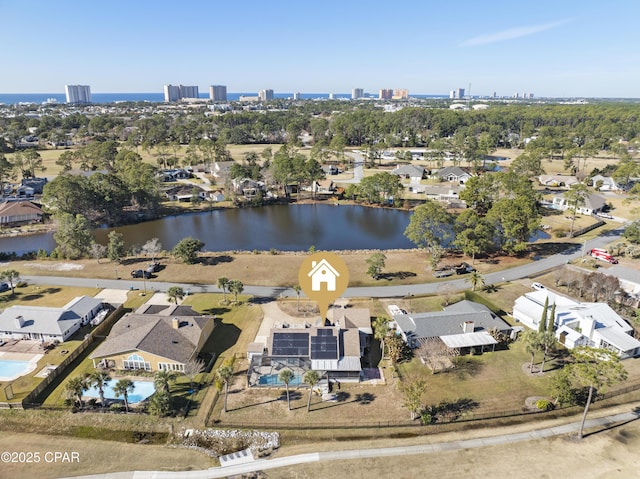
(42, 295)
(265, 269)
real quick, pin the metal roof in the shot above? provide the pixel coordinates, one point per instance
(468, 340)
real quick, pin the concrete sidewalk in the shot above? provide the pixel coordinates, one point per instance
(264, 464)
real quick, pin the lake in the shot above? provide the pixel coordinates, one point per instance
(283, 227)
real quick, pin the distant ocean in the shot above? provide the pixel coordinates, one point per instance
(38, 98)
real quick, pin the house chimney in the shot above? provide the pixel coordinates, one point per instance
(19, 321)
(468, 327)
(175, 323)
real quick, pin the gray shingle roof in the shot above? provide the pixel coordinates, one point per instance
(449, 321)
(155, 334)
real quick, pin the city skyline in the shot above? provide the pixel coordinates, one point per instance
(554, 49)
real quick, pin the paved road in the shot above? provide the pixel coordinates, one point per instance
(358, 168)
(524, 271)
(265, 464)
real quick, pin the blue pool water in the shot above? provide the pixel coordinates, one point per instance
(9, 369)
(141, 391)
(272, 380)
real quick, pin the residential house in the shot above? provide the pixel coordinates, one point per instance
(578, 324)
(453, 174)
(604, 183)
(48, 324)
(36, 183)
(175, 174)
(222, 169)
(593, 204)
(155, 338)
(463, 325)
(441, 193)
(247, 187)
(186, 192)
(410, 172)
(333, 348)
(19, 213)
(629, 279)
(322, 187)
(558, 181)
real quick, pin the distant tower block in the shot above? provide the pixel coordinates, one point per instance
(218, 92)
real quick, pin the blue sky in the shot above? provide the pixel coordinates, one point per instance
(551, 48)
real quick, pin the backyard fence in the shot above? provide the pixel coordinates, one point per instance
(30, 400)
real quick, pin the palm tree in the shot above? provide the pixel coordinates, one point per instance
(225, 373)
(380, 331)
(99, 379)
(575, 198)
(286, 376)
(547, 343)
(476, 279)
(122, 388)
(311, 378)
(532, 344)
(12, 277)
(162, 378)
(297, 288)
(223, 282)
(75, 387)
(175, 294)
(236, 287)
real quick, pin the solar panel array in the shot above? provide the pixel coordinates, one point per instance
(324, 345)
(290, 344)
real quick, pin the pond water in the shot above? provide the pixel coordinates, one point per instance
(282, 227)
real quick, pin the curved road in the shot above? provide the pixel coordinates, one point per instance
(264, 464)
(518, 272)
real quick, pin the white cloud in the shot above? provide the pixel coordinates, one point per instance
(510, 34)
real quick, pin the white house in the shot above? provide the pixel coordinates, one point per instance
(410, 172)
(555, 181)
(323, 273)
(453, 174)
(592, 204)
(579, 324)
(604, 183)
(48, 324)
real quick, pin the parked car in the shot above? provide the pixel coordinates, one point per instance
(4, 287)
(139, 273)
(537, 286)
(606, 216)
(153, 267)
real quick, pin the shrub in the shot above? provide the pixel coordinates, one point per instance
(544, 405)
(426, 418)
(274, 251)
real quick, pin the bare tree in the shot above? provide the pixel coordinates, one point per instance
(152, 248)
(98, 251)
(437, 355)
(192, 368)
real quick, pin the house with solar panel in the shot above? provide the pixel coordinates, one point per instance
(334, 349)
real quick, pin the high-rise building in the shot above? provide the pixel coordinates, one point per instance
(297, 96)
(385, 94)
(332, 96)
(78, 93)
(218, 92)
(400, 94)
(457, 94)
(265, 95)
(357, 93)
(178, 92)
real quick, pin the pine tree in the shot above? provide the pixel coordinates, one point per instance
(543, 320)
(551, 326)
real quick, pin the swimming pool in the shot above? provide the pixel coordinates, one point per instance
(272, 380)
(10, 369)
(141, 391)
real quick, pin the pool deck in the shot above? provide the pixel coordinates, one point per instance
(10, 356)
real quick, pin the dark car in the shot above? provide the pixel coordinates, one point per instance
(153, 267)
(139, 273)
(4, 287)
